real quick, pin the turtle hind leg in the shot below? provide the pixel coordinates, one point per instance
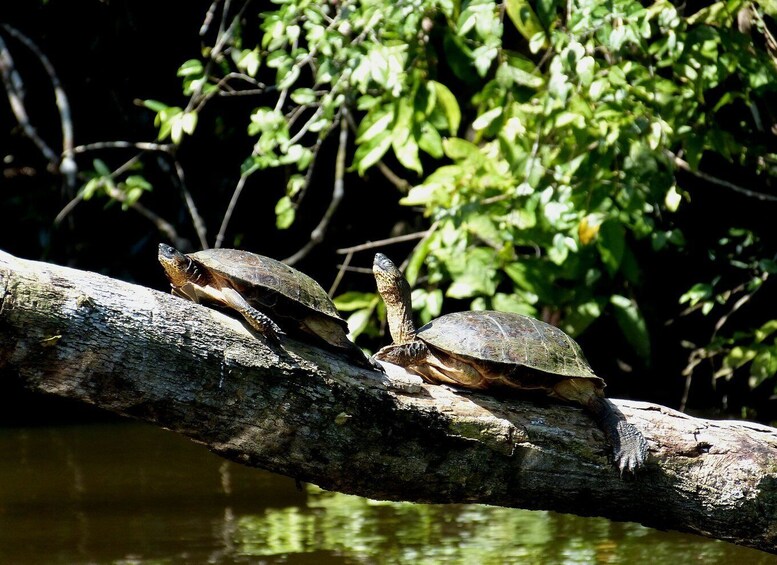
(259, 321)
(629, 446)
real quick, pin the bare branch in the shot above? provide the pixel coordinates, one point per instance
(684, 165)
(67, 167)
(231, 208)
(14, 90)
(387, 241)
(317, 235)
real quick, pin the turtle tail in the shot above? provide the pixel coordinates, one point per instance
(629, 446)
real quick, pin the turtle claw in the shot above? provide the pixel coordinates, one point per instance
(630, 449)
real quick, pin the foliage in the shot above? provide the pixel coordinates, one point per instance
(553, 148)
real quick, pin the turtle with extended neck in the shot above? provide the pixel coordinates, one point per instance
(489, 349)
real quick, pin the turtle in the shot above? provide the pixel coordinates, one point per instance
(274, 299)
(490, 349)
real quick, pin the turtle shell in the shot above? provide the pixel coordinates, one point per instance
(508, 338)
(248, 272)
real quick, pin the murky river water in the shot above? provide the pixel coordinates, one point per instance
(133, 494)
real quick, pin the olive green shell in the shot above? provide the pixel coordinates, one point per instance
(508, 338)
(252, 272)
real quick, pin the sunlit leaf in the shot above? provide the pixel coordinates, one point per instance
(358, 321)
(449, 104)
(354, 300)
(632, 324)
(285, 212)
(525, 20)
(371, 151)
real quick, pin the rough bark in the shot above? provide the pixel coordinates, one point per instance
(301, 411)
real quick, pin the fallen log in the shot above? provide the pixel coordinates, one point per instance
(304, 412)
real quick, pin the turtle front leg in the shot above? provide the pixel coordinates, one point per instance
(259, 321)
(404, 355)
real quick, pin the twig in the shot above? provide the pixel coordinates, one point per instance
(317, 235)
(67, 166)
(304, 129)
(13, 88)
(143, 146)
(208, 18)
(401, 184)
(231, 208)
(700, 354)
(199, 224)
(681, 164)
(340, 273)
(387, 241)
(161, 224)
(222, 38)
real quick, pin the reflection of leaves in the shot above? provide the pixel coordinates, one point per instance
(364, 530)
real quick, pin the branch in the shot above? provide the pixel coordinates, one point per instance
(684, 165)
(68, 166)
(302, 412)
(15, 91)
(317, 235)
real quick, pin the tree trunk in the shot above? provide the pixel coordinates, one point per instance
(303, 412)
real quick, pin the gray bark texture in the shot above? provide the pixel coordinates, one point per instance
(300, 411)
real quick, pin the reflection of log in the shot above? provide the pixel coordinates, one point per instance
(303, 412)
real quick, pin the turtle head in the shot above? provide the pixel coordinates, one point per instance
(385, 271)
(395, 291)
(179, 268)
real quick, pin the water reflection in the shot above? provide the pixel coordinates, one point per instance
(130, 493)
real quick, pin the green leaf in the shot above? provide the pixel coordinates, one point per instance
(284, 213)
(155, 105)
(697, 293)
(101, 168)
(427, 303)
(764, 366)
(632, 324)
(192, 67)
(353, 300)
(473, 273)
(450, 106)
(581, 316)
(765, 331)
(430, 141)
(525, 20)
(418, 257)
(512, 303)
(484, 120)
(138, 181)
(672, 199)
(294, 185)
(374, 123)
(456, 148)
(611, 242)
(371, 151)
(91, 188)
(248, 60)
(407, 154)
(303, 96)
(358, 322)
(287, 76)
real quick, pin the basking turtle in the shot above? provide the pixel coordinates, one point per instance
(485, 349)
(259, 287)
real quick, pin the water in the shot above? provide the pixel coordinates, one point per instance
(129, 493)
